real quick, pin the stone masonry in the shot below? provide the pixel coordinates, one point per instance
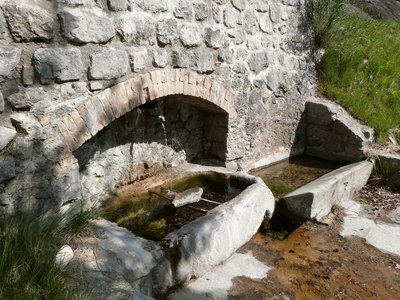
(69, 68)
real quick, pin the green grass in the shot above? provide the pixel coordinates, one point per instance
(361, 70)
(28, 246)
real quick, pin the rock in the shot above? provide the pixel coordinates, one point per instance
(190, 35)
(184, 10)
(28, 97)
(239, 4)
(118, 5)
(86, 26)
(59, 64)
(74, 3)
(275, 12)
(29, 24)
(167, 31)
(27, 75)
(258, 61)
(274, 79)
(6, 136)
(180, 59)
(214, 38)
(250, 22)
(64, 256)
(216, 14)
(200, 11)
(1, 103)
(262, 5)
(230, 18)
(136, 28)
(160, 58)
(7, 168)
(9, 59)
(394, 215)
(154, 6)
(3, 26)
(266, 24)
(203, 61)
(109, 64)
(226, 55)
(192, 195)
(140, 59)
(315, 199)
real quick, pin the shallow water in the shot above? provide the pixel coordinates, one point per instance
(150, 214)
(288, 175)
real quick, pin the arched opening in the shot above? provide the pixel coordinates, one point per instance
(153, 136)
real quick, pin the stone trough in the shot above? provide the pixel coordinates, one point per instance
(152, 268)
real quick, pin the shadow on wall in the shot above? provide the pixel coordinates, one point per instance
(156, 135)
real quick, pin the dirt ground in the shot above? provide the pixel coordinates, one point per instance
(315, 262)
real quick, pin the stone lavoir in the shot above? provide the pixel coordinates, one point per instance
(97, 94)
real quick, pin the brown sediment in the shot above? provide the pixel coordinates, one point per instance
(315, 262)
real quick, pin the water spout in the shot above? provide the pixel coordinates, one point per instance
(162, 119)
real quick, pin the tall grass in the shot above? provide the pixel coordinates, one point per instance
(361, 71)
(28, 246)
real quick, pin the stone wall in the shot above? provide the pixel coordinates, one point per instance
(253, 59)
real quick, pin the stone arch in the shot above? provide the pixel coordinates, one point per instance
(91, 116)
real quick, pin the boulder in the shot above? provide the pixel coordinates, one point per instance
(109, 64)
(86, 26)
(59, 64)
(6, 136)
(9, 58)
(29, 24)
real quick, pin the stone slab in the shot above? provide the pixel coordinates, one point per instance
(315, 199)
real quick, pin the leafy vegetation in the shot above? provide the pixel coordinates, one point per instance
(360, 68)
(28, 246)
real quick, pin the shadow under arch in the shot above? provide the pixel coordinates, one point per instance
(132, 122)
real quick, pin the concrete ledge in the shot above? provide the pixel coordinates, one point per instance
(315, 200)
(208, 241)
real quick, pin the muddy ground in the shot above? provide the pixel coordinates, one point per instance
(315, 262)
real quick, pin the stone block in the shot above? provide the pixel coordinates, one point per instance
(109, 64)
(180, 59)
(250, 22)
(136, 28)
(86, 26)
(27, 98)
(258, 61)
(190, 35)
(9, 58)
(6, 136)
(160, 58)
(118, 5)
(203, 61)
(153, 6)
(59, 64)
(167, 31)
(230, 17)
(262, 5)
(7, 168)
(28, 23)
(140, 59)
(275, 12)
(27, 75)
(315, 199)
(201, 11)
(214, 38)
(239, 4)
(184, 10)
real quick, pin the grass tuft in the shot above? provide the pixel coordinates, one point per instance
(28, 246)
